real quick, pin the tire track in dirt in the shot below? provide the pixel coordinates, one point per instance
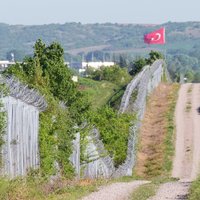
(187, 156)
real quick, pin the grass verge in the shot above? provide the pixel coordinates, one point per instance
(169, 146)
(194, 192)
(39, 189)
(157, 164)
(144, 192)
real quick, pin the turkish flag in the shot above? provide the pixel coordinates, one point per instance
(155, 37)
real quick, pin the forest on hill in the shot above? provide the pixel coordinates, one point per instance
(107, 41)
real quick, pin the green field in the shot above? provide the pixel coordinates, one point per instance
(98, 92)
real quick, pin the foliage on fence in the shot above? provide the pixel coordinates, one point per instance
(47, 73)
(114, 131)
(144, 83)
(3, 92)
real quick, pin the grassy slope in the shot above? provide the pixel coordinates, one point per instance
(157, 133)
(98, 92)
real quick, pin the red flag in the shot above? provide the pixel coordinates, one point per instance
(156, 37)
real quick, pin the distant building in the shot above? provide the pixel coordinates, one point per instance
(5, 63)
(97, 65)
(75, 65)
(81, 71)
(82, 66)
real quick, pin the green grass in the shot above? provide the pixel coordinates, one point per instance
(194, 192)
(98, 92)
(144, 192)
(115, 99)
(148, 190)
(38, 189)
(169, 145)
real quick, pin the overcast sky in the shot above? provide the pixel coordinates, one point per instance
(29, 12)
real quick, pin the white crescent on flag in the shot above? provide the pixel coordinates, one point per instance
(157, 38)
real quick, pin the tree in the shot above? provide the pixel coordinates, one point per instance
(153, 56)
(136, 66)
(196, 78)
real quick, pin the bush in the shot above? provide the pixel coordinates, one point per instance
(114, 74)
(114, 131)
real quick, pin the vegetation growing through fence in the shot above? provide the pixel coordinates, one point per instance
(3, 92)
(47, 72)
(114, 131)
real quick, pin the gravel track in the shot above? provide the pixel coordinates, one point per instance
(172, 190)
(115, 191)
(187, 157)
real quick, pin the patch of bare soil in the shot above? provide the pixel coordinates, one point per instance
(152, 133)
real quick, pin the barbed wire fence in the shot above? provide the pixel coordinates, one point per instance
(149, 78)
(20, 151)
(102, 164)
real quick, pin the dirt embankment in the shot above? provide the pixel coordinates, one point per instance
(150, 157)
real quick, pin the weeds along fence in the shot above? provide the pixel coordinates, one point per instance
(143, 83)
(20, 151)
(100, 163)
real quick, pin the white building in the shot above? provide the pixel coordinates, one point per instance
(96, 65)
(4, 64)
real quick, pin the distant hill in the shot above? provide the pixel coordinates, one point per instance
(78, 39)
(107, 41)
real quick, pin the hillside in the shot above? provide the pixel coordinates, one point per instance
(109, 41)
(77, 38)
(98, 92)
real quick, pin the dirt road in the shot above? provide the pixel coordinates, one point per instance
(187, 156)
(115, 191)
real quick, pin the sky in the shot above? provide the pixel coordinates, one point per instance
(37, 12)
